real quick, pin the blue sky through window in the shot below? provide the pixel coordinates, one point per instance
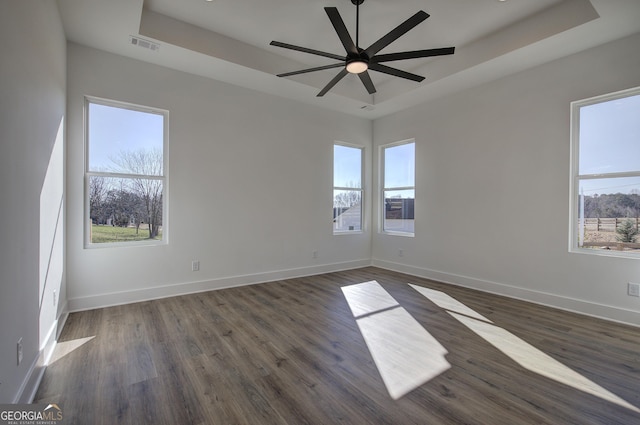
(399, 169)
(113, 130)
(610, 143)
(347, 166)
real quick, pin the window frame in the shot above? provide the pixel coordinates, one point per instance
(575, 201)
(360, 189)
(383, 188)
(88, 174)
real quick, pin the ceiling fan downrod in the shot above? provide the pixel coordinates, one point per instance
(357, 63)
(357, 3)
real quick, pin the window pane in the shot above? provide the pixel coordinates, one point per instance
(125, 209)
(399, 211)
(347, 166)
(125, 141)
(347, 173)
(605, 207)
(347, 210)
(399, 166)
(610, 136)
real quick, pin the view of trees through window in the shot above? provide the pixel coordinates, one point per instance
(125, 173)
(608, 174)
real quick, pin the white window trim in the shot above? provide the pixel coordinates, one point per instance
(362, 193)
(88, 174)
(575, 178)
(381, 206)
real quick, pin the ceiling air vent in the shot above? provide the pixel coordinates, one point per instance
(146, 44)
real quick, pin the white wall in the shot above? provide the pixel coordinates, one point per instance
(32, 110)
(492, 176)
(250, 186)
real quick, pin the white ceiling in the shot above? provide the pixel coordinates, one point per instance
(228, 40)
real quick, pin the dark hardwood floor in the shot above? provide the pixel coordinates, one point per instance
(290, 352)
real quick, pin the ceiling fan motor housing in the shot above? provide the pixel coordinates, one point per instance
(357, 57)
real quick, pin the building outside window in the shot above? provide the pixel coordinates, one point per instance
(398, 192)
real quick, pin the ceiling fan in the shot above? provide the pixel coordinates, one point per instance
(359, 61)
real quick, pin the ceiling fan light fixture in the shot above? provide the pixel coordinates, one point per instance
(357, 66)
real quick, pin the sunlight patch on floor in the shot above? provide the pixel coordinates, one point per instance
(519, 350)
(65, 347)
(368, 297)
(447, 302)
(406, 355)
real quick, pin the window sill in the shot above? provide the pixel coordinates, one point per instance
(403, 234)
(348, 232)
(615, 253)
(145, 243)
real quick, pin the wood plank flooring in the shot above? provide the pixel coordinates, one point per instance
(290, 352)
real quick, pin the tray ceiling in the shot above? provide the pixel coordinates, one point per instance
(228, 40)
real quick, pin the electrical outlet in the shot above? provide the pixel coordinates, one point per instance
(195, 265)
(633, 289)
(401, 253)
(19, 351)
(314, 254)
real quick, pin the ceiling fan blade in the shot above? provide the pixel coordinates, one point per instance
(396, 33)
(306, 50)
(318, 68)
(395, 72)
(333, 82)
(413, 54)
(366, 80)
(341, 29)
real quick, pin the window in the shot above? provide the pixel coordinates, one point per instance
(347, 189)
(398, 193)
(125, 173)
(605, 206)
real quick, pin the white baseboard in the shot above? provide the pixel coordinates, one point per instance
(588, 308)
(62, 320)
(32, 380)
(30, 384)
(146, 294)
